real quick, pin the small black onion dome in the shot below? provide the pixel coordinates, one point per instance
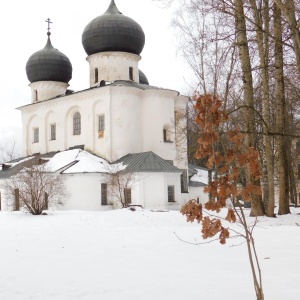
(113, 31)
(49, 64)
(142, 78)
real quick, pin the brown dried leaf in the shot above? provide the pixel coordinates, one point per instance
(224, 235)
(192, 210)
(231, 216)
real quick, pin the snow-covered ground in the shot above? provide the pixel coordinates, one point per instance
(136, 255)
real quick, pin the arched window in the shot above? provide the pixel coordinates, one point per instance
(130, 73)
(77, 124)
(96, 75)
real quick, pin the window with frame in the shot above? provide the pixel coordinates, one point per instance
(131, 73)
(167, 134)
(101, 123)
(96, 75)
(103, 193)
(127, 196)
(77, 124)
(184, 182)
(171, 193)
(53, 132)
(35, 135)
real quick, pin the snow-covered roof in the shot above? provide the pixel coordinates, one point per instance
(69, 161)
(77, 161)
(12, 167)
(80, 161)
(199, 175)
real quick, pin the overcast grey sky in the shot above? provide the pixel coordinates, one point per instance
(23, 32)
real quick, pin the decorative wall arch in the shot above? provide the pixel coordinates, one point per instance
(96, 110)
(69, 124)
(32, 122)
(50, 118)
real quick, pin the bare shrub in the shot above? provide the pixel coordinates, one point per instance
(35, 189)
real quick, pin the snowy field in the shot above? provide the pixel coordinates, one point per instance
(135, 255)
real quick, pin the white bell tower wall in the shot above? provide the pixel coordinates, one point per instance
(44, 90)
(112, 66)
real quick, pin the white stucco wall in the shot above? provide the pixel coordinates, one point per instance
(149, 190)
(43, 90)
(158, 111)
(197, 192)
(134, 122)
(85, 191)
(5, 204)
(126, 132)
(152, 190)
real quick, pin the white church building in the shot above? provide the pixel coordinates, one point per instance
(120, 118)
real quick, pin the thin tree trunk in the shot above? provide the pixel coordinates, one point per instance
(290, 168)
(257, 207)
(288, 10)
(263, 49)
(280, 116)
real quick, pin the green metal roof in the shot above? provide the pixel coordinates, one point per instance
(146, 162)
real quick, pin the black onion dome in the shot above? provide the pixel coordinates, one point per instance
(49, 64)
(142, 78)
(113, 31)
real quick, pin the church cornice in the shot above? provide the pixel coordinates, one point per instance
(86, 94)
(113, 55)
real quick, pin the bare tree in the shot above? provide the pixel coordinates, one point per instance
(8, 152)
(35, 189)
(120, 184)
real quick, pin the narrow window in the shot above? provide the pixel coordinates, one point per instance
(130, 73)
(53, 132)
(35, 95)
(96, 75)
(165, 134)
(103, 193)
(127, 196)
(101, 123)
(171, 195)
(46, 202)
(35, 135)
(77, 124)
(17, 200)
(183, 179)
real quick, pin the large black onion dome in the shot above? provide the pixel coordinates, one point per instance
(142, 78)
(49, 64)
(113, 31)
